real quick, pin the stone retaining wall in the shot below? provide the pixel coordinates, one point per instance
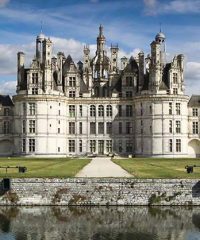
(100, 191)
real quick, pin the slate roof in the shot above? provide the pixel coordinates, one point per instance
(194, 101)
(5, 100)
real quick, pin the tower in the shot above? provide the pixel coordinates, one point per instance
(141, 70)
(114, 57)
(39, 46)
(20, 70)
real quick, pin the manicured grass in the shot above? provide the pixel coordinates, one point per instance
(43, 167)
(159, 168)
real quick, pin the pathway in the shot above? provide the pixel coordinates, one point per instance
(102, 167)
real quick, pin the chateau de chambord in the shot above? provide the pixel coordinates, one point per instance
(100, 105)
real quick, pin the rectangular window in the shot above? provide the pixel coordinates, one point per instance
(24, 108)
(195, 128)
(23, 145)
(170, 145)
(170, 108)
(31, 126)
(175, 91)
(72, 82)
(6, 111)
(120, 110)
(120, 127)
(31, 145)
(175, 78)
(109, 146)
(178, 145)
(128, 128)
(129, 94)
(72, 94)
(92, 146)
(80, 110)
(178, 126)
(34, 91)
(24, 126)
(170, 126)
(80, 146)
(129, 111)
(58, 130)
(34, 78)
(178, 108)
(109, 128)
(92, 128)
(71, 127)
(32, 109)
(120, 146)
(129, 146)
(72, 110)
(101, 128)
(6, 127)
(195, 112)
(80, 128)
(71, 145)
(129, 81)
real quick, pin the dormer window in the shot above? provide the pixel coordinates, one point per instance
(72, 82)
(34, 78)
(175, 78)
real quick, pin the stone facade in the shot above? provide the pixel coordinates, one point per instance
(98, 107)
(102, 191)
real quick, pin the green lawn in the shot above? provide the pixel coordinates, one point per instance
(159, 168)
(43, 167)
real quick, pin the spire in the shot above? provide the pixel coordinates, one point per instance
(100, 30)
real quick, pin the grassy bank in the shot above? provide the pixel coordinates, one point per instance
(43, 167)
(159, 168)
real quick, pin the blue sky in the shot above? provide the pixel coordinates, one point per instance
(132, 24)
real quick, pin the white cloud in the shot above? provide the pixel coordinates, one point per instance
(8, 88)
(3, 3)
(192, 78)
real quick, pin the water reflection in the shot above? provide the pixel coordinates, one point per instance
(99, 223)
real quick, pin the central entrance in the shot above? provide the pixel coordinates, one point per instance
(101, 147)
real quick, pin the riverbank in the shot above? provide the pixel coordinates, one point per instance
(101, 191)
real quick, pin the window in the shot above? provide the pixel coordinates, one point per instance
(109, 111)
(24, 126)
(32, 109)
(150, 109)
(72, 81)
(71, 127)
(71, 145)
(31, 145)
(101, 111)
(170, 145)
(72, 94)
(170, 126)
(80, 110)
(129, 110)
(109, 128)
(24, 108)
(80, 128)
(92, 146)
(59, 112)
(120, 146)
(129, 146)
(58, 130)
(195, 112)
(31, 126)
(120, 127)
(101, 128)
(34, 91)
(6, 111)
(6, 127)
(129, 94)
(58, 149)
(175, 78)
(92, 128)
(178, 145)
(195, 127)
(120, 110)
(178, 126)
(80, 146)
(128, 128)
(170, 108)
(129, 82)
(92, 111)
(175, 91)
(72, 110)
(23, 145)
(34, 78)
(178, 108)
(109, 146)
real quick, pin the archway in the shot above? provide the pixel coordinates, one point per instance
(194, 148)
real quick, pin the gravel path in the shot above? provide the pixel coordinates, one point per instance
(102, 167)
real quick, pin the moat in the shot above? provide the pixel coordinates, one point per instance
(99, 223)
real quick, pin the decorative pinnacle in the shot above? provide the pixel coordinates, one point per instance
(100, 30)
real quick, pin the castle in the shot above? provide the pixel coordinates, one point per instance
(102, 105)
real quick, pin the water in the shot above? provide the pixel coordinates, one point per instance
(99, 223)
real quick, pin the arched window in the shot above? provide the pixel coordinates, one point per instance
(92, 111)
(101, 111)
(109, 111)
